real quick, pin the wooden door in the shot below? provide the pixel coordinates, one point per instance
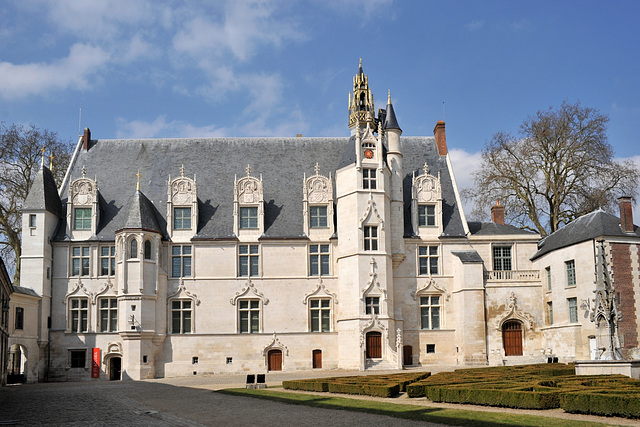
(374, 345)
(317, 359)
(512, 338)
(407, 358)
(275, 360)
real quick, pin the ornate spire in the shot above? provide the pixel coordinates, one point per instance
(361, 105)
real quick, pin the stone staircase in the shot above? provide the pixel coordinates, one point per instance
(379, 365)
(523, 360)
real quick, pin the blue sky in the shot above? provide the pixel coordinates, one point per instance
(278, 68)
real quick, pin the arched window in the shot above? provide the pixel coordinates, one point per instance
(133, 249)
(147, 249)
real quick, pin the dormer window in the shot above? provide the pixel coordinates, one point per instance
(182, 218)
(426, 215)
(317, 216)
(317, 206)
(369, 179)
(249, 217)
(82, 219)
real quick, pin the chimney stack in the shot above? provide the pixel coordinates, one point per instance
(441, 138)
(86, 139)
(497, 213)
(626, 214)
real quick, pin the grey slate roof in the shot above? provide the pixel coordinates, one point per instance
(215, 161)
(468, 257)
(25, 291)
(142, 214)
(44, 194)
(390, 121)
(493, 229)
(590, 226)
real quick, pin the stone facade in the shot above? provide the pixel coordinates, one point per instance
(256, 254)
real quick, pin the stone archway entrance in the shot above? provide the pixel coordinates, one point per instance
(17, 368)
(115, 369)
(374, 345)
(274, 360)
(512, 338)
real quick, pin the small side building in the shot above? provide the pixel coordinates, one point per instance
(5, 296)
(26, 358)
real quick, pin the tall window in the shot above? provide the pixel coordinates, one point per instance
(318, 260)
(19, 318)
(108, 315)
(82, 219)
(502, 258)
(77, 358)
(548, 274)
(428, 260)
(430, 312)
(108, 261)
(426, 215)
(370, 238)
(32, 220)
(133, 248)
(550, 312)
(248, 257)
(372, 305)
(320, 315)
(80, 261)
(369, 179)
(181, 316)
(147, 249)
(571, 272)
(249, 316)
(79, 314)
(317, 216)
(573, 310)
(182, 218)
(181, 261)
(249, 217)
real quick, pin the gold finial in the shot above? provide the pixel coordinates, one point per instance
(51, 157)
(138, 184)
(389, 98)
(42, 150)
(360, 63)
(317, 169)
(425, 168)
(84, 171)
(248, 170)
(182, 170)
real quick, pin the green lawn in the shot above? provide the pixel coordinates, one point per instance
(458, 417)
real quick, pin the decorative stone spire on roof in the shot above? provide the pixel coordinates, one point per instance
(361, 104)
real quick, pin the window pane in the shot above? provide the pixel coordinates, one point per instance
(254, 266)
(255, 321)
(313, 265)
(244, 266)
(186, 266)
(435, 317)
(186, 322)
(424, 317)
(326, 324)
(175, 322)
(324, 265)
(176, 266)
(315, 320)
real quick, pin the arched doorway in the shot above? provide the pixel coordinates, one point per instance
(17, 369)
(407, 355)
(115, 368)
(274, 360)
(512, 338)
(374, 345)
(317, 359)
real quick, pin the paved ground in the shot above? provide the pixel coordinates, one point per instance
(189, 401)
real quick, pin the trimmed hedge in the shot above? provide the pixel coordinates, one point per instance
(598, 403)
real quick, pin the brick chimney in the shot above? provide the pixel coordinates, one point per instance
(86, 138)
(497, 213)
(441, 138)
(626, 214)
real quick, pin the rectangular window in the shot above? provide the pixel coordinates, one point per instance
(318, 260)
(108, 261)
(317, 216)
(248, 257)
(108, 315)
(426, 215)
(249, 316)
(573, 310)
(249, 217)
(430, 312)
(181, 261)
(571, 272)
(19, 318)
(550, 312)
(502, 258)
(182, 218)
(428, 260)
(79, 314)
(431, 348)
(372, 305)
(369, 179)
(181, 317)
(548, 274)
(32, 220)
(320, 315)
(78, 358)
(82, 219)
(370, 238)
(80, 261)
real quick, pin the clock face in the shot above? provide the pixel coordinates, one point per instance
(368, 153)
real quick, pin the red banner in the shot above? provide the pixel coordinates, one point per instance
(95, 363)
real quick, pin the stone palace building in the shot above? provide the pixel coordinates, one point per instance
(172, 257)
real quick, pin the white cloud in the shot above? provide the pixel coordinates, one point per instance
(73, 72)
(475, 25)
(160, 127)
(464, 164)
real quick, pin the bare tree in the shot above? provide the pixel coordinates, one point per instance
(561, 166)
(22, 149)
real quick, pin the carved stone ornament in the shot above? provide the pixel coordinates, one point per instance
(248, 189)
(320, 290)
(108, 287)
(373, 323)
(182, 292)
(516, 314)
(427, 187)
(429, 287)
(82, 191)
(275, 343)
(248, 288)
(398, 339)
(318, 189)
(114, 348)
(182, 191)
(75, 291)
(371, 211)
(373, 282)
